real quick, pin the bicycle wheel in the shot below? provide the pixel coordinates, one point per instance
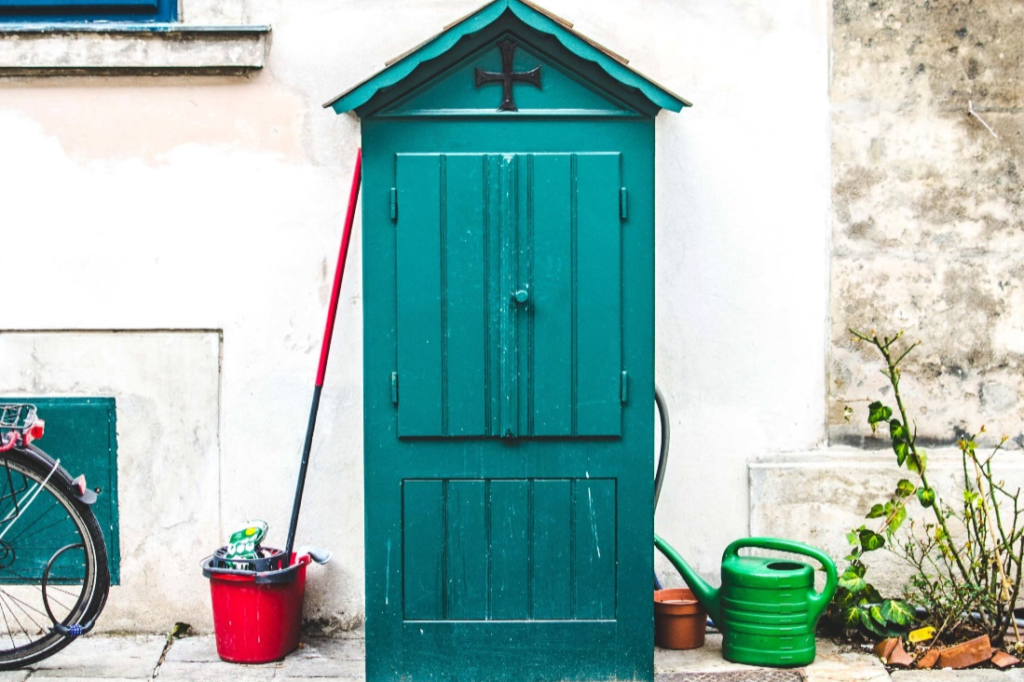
(53, 561)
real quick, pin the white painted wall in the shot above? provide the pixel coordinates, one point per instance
(742, 262)
(216, 203)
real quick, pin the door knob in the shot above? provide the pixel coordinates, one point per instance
(522, 295)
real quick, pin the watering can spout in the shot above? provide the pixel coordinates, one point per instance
(706, 595)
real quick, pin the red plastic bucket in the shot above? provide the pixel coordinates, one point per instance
(256, 614)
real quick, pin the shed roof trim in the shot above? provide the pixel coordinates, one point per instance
(534, 17)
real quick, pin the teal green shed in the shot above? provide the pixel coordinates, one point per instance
(508, 311)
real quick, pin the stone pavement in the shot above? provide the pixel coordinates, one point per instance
(122, 658)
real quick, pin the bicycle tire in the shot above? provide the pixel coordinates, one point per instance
(96, 576)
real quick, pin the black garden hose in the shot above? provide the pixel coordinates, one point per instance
(659, 476)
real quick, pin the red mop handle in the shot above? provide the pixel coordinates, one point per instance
(325, 349)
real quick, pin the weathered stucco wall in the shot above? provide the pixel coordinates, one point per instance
(215, 204)
(928, 230)
(166, 385)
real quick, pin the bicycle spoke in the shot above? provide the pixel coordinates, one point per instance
(15, 616)
(57, 589)
(7, 624)
(48, 587)
(13, 494)
(24, 530)
(64, 606)
(40, 591)
(28, 580)
(40, 530)
(22, 604)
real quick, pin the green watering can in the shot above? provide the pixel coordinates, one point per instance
(766, 608)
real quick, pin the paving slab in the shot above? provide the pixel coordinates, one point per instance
(966, 675)
(212, 670)
(832, 663)
(117, 659)
(342, 659)
(708, 658)
(836, 663)
(750, 675)
(107, 658)
(35, 678)
(195, 658)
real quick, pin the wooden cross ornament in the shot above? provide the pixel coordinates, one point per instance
(507, 77)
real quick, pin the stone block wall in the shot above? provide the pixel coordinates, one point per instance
(927, 142)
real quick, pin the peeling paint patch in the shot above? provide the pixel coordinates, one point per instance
(178, 113)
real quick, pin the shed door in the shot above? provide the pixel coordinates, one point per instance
(509, 295)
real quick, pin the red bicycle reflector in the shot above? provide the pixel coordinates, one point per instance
(79, 484)
(34, 432)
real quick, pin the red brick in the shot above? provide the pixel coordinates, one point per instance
(930, 658)
(885, 647)
(966, 654)
(1001, 659)
(899, 656)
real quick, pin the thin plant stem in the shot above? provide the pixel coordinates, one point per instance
(894, 379)
(985, 571)
(1004, 587)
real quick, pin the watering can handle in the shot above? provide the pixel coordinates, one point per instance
(820, 600)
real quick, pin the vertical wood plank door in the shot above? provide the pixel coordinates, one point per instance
(509, 306)
(508, 472)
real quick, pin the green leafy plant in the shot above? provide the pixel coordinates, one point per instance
(967, 561)
(857, 604)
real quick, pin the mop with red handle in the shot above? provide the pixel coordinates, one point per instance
(325, 350)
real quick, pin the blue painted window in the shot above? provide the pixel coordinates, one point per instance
(84, 11)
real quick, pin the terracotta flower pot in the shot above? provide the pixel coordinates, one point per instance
(679, 620)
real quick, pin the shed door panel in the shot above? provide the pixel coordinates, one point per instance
(419, 295)
(575, 331)
(472, 231)
(443, 310)
(509, 549)
(465, 294)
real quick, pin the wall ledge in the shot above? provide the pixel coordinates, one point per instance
(816, 497)
(112, 49)
(848, 457)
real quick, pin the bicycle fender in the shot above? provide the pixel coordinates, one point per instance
(60, 475)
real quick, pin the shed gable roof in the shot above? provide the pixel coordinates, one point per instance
(562, 90)
(612, 65)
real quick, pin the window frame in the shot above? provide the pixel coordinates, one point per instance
(204, 37)
(64, 12)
